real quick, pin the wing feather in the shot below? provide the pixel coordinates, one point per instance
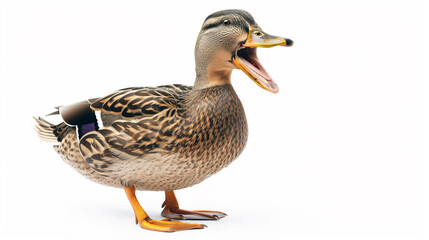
(140, 102)
(110, 148)
(143, 127)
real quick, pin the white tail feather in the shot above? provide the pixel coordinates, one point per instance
(44, 130)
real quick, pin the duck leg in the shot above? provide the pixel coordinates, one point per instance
(172, 210)
(156, 225)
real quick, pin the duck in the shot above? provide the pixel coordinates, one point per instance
(169, 137)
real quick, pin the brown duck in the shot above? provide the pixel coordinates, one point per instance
(169, 137)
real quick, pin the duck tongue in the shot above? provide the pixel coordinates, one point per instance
(260, 75)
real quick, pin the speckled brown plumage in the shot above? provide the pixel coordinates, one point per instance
(179, 138)
(69, 152)
(168, 151)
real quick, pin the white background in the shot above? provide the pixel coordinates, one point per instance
(338, 153)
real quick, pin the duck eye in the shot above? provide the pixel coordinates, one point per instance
(258, 33)
(226, 22)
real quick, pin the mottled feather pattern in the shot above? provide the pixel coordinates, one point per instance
(142, 101)
(163, 138)
(61, 131)
(197, 142)
(68, 149)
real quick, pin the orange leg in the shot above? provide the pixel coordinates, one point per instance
(157, 225)
(172, 210)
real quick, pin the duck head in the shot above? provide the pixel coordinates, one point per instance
(229, 40)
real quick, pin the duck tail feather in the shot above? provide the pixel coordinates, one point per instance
(50, 132)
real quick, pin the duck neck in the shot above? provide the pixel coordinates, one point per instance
(211, 78)
(211, 65)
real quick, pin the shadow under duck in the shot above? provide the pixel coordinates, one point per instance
(169, 137)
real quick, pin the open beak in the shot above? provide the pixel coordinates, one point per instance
(245, 57)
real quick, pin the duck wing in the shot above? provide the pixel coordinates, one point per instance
(149, 120)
